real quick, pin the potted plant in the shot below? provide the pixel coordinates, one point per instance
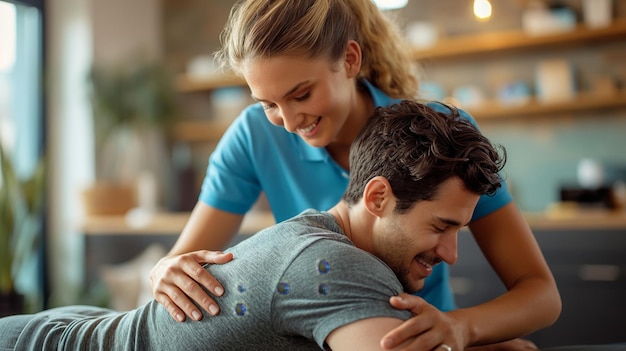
(21, 224)
(133, 104)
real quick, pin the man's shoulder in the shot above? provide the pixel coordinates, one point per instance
(330, 284)
(346, 258)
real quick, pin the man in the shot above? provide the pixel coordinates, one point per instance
(324, 279)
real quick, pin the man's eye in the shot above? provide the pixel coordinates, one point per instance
(439, 230)
(303, 97)
(268, 106)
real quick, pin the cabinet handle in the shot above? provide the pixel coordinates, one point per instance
(599, 272)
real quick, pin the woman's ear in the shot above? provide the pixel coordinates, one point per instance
(353, 59)
(378, 197)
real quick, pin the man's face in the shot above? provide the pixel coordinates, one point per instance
(413, 242)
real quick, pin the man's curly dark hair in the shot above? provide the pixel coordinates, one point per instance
(417, 148)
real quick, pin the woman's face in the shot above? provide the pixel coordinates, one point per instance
(310, 97)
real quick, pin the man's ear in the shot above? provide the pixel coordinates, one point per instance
(353, 59)
(378, 197)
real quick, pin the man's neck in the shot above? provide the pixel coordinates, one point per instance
(355, 223)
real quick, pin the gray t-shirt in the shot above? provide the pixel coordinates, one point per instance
(288, 287)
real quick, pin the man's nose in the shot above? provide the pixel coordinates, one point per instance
(447, 248)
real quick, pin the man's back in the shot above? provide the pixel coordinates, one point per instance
(288, 287)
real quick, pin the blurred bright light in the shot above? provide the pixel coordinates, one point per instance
(482, 9)
(390, 4)
(7, 39)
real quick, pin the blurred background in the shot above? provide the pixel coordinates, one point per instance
(109, 111)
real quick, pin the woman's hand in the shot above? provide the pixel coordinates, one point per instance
(442, 326)
(429, 326)
(176, 280)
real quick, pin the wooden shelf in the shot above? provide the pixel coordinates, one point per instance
(500, 42)
(199, 131)
(568, 218)
(164, 223)
(581, 103)
(173, 223)
(188, 84)
(206, 130)
(456, 47)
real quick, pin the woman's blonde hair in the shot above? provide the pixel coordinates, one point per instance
(321, 28)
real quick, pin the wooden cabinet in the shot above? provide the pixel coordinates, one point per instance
(589, 266)
(111, 240)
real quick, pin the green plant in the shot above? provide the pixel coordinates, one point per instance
(130, 96)
(21, 206)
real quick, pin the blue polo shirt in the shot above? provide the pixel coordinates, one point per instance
(255, 155)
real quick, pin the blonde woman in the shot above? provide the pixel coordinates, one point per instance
(318, 69)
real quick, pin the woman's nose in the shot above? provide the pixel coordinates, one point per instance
(289, 119)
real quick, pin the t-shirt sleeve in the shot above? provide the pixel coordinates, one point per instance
(231, 183)
(331, 284)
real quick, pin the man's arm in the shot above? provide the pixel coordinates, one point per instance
(364, 335)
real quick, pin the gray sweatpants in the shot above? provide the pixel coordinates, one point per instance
(10, 329)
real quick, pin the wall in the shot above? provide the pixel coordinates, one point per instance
(123, 28)
(80, 32)
(543, 151)
(544, 154)
(69, 143)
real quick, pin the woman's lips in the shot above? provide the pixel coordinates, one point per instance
(310, 129)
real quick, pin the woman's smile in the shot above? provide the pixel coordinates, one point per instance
(311, 129)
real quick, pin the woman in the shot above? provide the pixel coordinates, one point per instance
(318, 69)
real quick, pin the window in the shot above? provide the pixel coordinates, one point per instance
(22, 112)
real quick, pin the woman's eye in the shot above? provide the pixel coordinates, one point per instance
(302, 97)
(268, 106)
